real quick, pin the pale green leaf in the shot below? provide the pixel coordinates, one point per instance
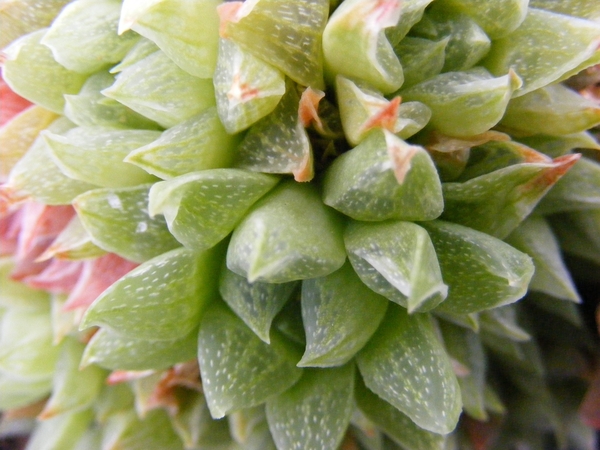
(118, 221)
(340, 314)
(202, 208)
(421, 58)
(555, 146)
(407, 366)
(142, 48)
(287, 235)
(16, 295)
(397, 260)
(497, 17)
(315, 412)
(411, 13)
(482, 272)
(15, 392)
(62, 431)
(238, 369)
(504, 322)
(578, 8)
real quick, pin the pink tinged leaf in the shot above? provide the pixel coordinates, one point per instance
(401, 156)
(481, 434)
(96, 276)
(58, 277)
(12, 103)
(123, 376)
(385, 118)
(228, 12)
(548, 178)
(439, 142)
(10, 199)
(308, 110)
(181, 375)
(10, 225)
(589, 411)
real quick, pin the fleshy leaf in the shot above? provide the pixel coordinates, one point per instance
(555, 146)
(325, 398)
(355, 44)
(498, 17)
(158, 89)
(73, 389)
(198, 143)
(411, 13)
(89, 24)
(340, 314)
(421, 58)
(238, 369)
(279, 143)
(577, 8)
(15, 392)
(553, 110)
(186, 31)
(256, 303)
(16, 295)
(497, 202)
(95, 155)
(246, 87)
(535, 237)
(384, 178)
(394, 423)
(407, 366)
(503, 322)
(532, 51)
(142, 48)
(288, 235)
(135, 307)
(579, 233)
(31, 71)
(114, 351)
(284, 34)
(118, 221)
(73, 242)
(464, 103)
(482, 272)
(62, 431)
(397, 260)
(202, 208)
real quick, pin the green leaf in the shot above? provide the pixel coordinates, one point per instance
(246, 87)
(587, 10)
(397, 260)
(552, 110)
(73, 389)
(465, 103)
(186, 31)
(421, 58)
(284, 34)
(62, 431)
(17, 393)
(384, 178)
(31, 71)
(256, 303)
(503, 322)
(238, 369)
(118, 222)
(396, 424)
(278, 143)
(95, 155)
(89, 24)
(315, 412)
(142, 48)
(532, 51)
(406, 365)
(142, 306)
(16, 295)
(198, 143)
(117, 352)
(496, 203)
(535, 237)
(410, 14)
(287, 235)
(158, 89)
(555, 146)
(579, 233)
(202, 208)
(355, 44)
(340, 314)
(482, 272)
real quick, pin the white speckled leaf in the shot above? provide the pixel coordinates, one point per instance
(256, 303)
(89, 24)
(406, 365)
(535, 237)
(186, 31)
(287, 235)
(118, 222)
(202, 208)
(158, 89)
(246, 87)
(95, 155)
(497, 202)
(340, 314)
(396, 424)
(384, 178)
(114, 351)
(397, 260)
(278, 143)
(73, 389)
(464, 103)
(482, 272)
(355, 44)
(198, 143)
(239, 370)
(421, 58)
(497, 18)
(314, 413)
(285, 34)
(532, 51)
(578, 8)
(143, 305)
(31, 71)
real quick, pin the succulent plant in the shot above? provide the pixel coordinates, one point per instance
(301, 224)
